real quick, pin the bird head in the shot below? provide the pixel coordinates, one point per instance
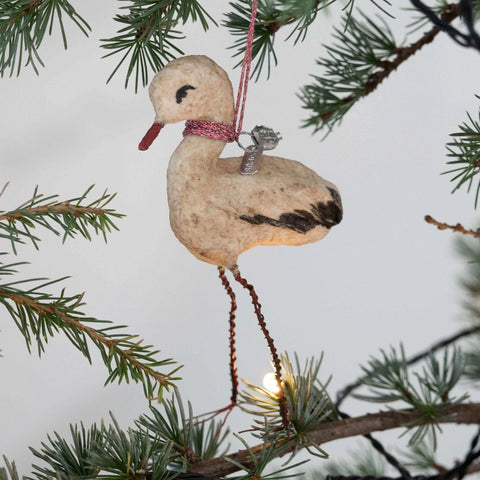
(189, 88)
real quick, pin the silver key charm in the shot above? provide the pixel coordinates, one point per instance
(251, 160)
(263, 138)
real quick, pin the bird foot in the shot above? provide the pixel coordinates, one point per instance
(211, 415)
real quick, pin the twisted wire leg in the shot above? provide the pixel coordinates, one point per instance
(276, 359)
(231, 331)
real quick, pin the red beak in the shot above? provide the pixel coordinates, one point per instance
(150, 136)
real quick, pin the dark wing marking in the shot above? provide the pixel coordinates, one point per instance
(301, 221)
(331, 213)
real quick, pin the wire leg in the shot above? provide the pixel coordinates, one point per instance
(276, 359)
(233, 355)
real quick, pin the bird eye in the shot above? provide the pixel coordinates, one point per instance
(182, 92)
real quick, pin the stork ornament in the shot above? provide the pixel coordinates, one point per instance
(215, 211)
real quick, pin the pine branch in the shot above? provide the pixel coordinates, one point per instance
(460, 414)
(255, 469)
(103, 452)
(130, 455)
(307, 405)
(440, 345)
(133, 454)
(465, 151)
(364, 461)
(272, 16)
(23, 26)
(11, 469)
(147, 39)
(389, 380)
(458, 471)
(191, 441)
(66, 461)
(421, 457)
(70, 216)
(40, 315)
(157, 448)
(469, 250)
(456, 228)
(363, 57)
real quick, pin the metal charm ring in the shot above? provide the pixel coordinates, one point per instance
(245, 149)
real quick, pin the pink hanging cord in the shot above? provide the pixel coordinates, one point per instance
(245, 75)
(220, 131)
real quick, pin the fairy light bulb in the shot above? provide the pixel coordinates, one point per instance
(270, 383)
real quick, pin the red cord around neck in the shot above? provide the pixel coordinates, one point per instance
(213, 130)
(221, 131)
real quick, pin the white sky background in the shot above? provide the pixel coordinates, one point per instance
(381, 277)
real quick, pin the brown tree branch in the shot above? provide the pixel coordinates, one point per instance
(456, 228)
(450, 13)
(24, 10)
(61, 208)
(464, 413)
(474, 468)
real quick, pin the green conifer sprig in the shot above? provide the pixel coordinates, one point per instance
(364, 461)
(429, 391)
(464, 149)
(350, 4)
(352, 66)
(469, 251)
(191, 438)
(419, 20)
(23, 26)
(271, 16)
(65, 461)
(103, 453)
(39, 315)
(363, 55)
(147, 39)
(308, 404)
(141, 453)
(68, 218)
(155, 449)
(421, 456)
(472, 362)
(260, 461)
(9, 473)
(131, 455)
(238, 21)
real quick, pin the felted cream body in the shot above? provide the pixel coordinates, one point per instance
(206, 194)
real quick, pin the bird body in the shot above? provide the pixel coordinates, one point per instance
(218, 213)
(214, 211)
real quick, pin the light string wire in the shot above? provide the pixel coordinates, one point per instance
(472, 39)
